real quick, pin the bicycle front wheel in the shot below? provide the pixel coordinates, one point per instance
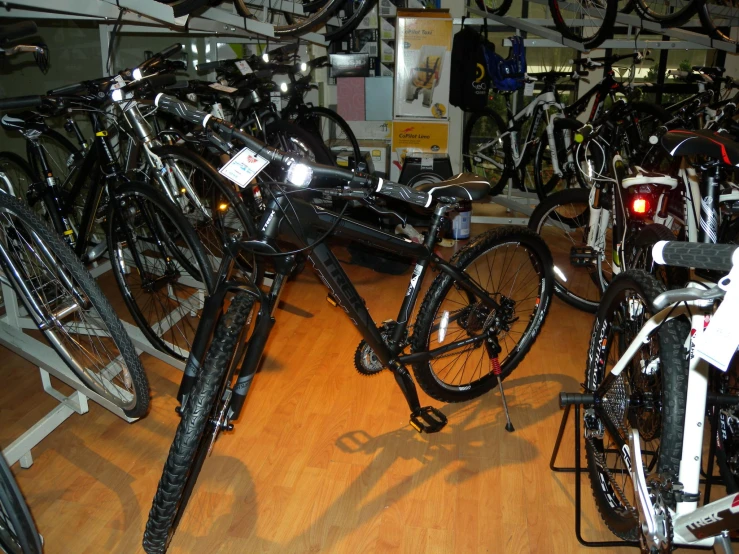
(514, 267)
(161, 267)
(656, 375)
(672, 13)
(18, 534)
(70, 309)
(335, 133)
(199, 426)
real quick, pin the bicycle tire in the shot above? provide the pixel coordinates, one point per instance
(571, 175)
(709, 13)
(304, 121)
(18, 534)
(48, 297)
(639, 256)
(568, 211)
(671, 371)
(311, 21)
(679, 17)
(607, 15)
(290, 137)
(233, 223)
(349, 24)
(500, 9)
(156, 286)
(532, 250)
(190, 446)
(19, 172)
(472, 158)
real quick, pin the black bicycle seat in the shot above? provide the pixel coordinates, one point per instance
(682, 142)
(22, 122)
(465, 186)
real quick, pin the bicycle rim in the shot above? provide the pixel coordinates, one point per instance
(485, 152)
(586, 21)
(304, 23)
(719, 17)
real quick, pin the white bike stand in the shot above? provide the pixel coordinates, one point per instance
(49, 364)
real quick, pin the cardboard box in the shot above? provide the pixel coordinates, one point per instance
(378, 93)
(369, 21)
(422, 64)
(387, 52)
(387, 29)
(349, 65)
(386, 71)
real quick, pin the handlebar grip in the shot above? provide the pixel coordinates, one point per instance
(572, 398)
(209, 66)
(699, 255)
(17, 31)
(180, 109)
(19, 102)
(404, 193)
(169, 51)
(67, 89)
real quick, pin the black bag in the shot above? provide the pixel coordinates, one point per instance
(469, 82)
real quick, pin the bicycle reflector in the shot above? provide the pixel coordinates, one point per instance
(299, 175)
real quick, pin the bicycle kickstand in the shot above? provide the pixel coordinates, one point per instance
(493, 350)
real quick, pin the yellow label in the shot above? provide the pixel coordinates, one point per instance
(422, 136)
(68, 232)
(101, 134)
(415, 32)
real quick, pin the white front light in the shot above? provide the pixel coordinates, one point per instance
(283, 87)
(265, 57)
(137, 75)
(303, 67)
(299, 175)
(117, 95)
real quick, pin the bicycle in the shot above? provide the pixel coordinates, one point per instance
(18, 534)
(458, 317)
(156, 257)
(656, 388)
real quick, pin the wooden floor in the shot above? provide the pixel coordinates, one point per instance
(323, 459)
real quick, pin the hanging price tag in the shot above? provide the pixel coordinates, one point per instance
(720, 340)
(223, 88)
(243, 67)
(117, 83)
(528, 89)
(243, 167)
(217, 110)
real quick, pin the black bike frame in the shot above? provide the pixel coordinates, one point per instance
(301, 223)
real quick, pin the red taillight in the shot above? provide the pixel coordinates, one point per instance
(640, 205)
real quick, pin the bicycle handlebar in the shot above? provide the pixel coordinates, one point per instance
(17, 31)
(636, 56)
(19, 102)
(719, 257)
(160, 56)
(335, 175)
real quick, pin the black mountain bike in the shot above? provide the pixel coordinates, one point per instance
(479, 318)
(18, 534)
(156, 257)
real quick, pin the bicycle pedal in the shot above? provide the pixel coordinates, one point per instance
(428, 420)
(331, 299)
(583, 256)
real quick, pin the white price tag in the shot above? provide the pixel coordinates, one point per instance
(243, 167)
(720, 340)
(117, 83)
(223, 88)
(427, 162)
(528, 89)
(217, 111)
(243, 67)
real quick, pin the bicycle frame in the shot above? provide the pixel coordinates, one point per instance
(314, 221)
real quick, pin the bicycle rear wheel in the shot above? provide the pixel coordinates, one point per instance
(495, 7)
(162, 269)
(199, 426)
(334, 132)
(588, 22)
(657, 376)
(562, 220)
(514, 267)
(70, 309)
(486, 150)
(672, 13)
(719, 17)
(18, 534)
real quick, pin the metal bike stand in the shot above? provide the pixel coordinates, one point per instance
(514, 204)
(49, 364)
(578, 470)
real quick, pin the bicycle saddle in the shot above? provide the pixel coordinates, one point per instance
(704, 143)
(644, 177)
(22, 122)
(465, 186)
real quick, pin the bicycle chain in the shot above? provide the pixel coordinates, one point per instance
(602, 462)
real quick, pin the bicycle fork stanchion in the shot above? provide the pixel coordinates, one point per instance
(567, 401)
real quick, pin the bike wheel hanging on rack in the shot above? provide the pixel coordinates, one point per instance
(486, 150)
(350, 15)
(626, 305)
(199, 426)
(315, 14)
(588, 22)
(513, 266)
(672, 14)
(495, 7)
(160, 265)
(69, 308)
(719, 18)
(18, 534)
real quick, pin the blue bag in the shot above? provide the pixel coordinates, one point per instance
(507, 74)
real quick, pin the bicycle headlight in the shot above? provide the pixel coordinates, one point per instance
(299, 175)
(283, 87)
(303, 67)
(137, 75)
(117, 95)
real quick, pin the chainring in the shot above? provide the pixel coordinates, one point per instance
(366, 361)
